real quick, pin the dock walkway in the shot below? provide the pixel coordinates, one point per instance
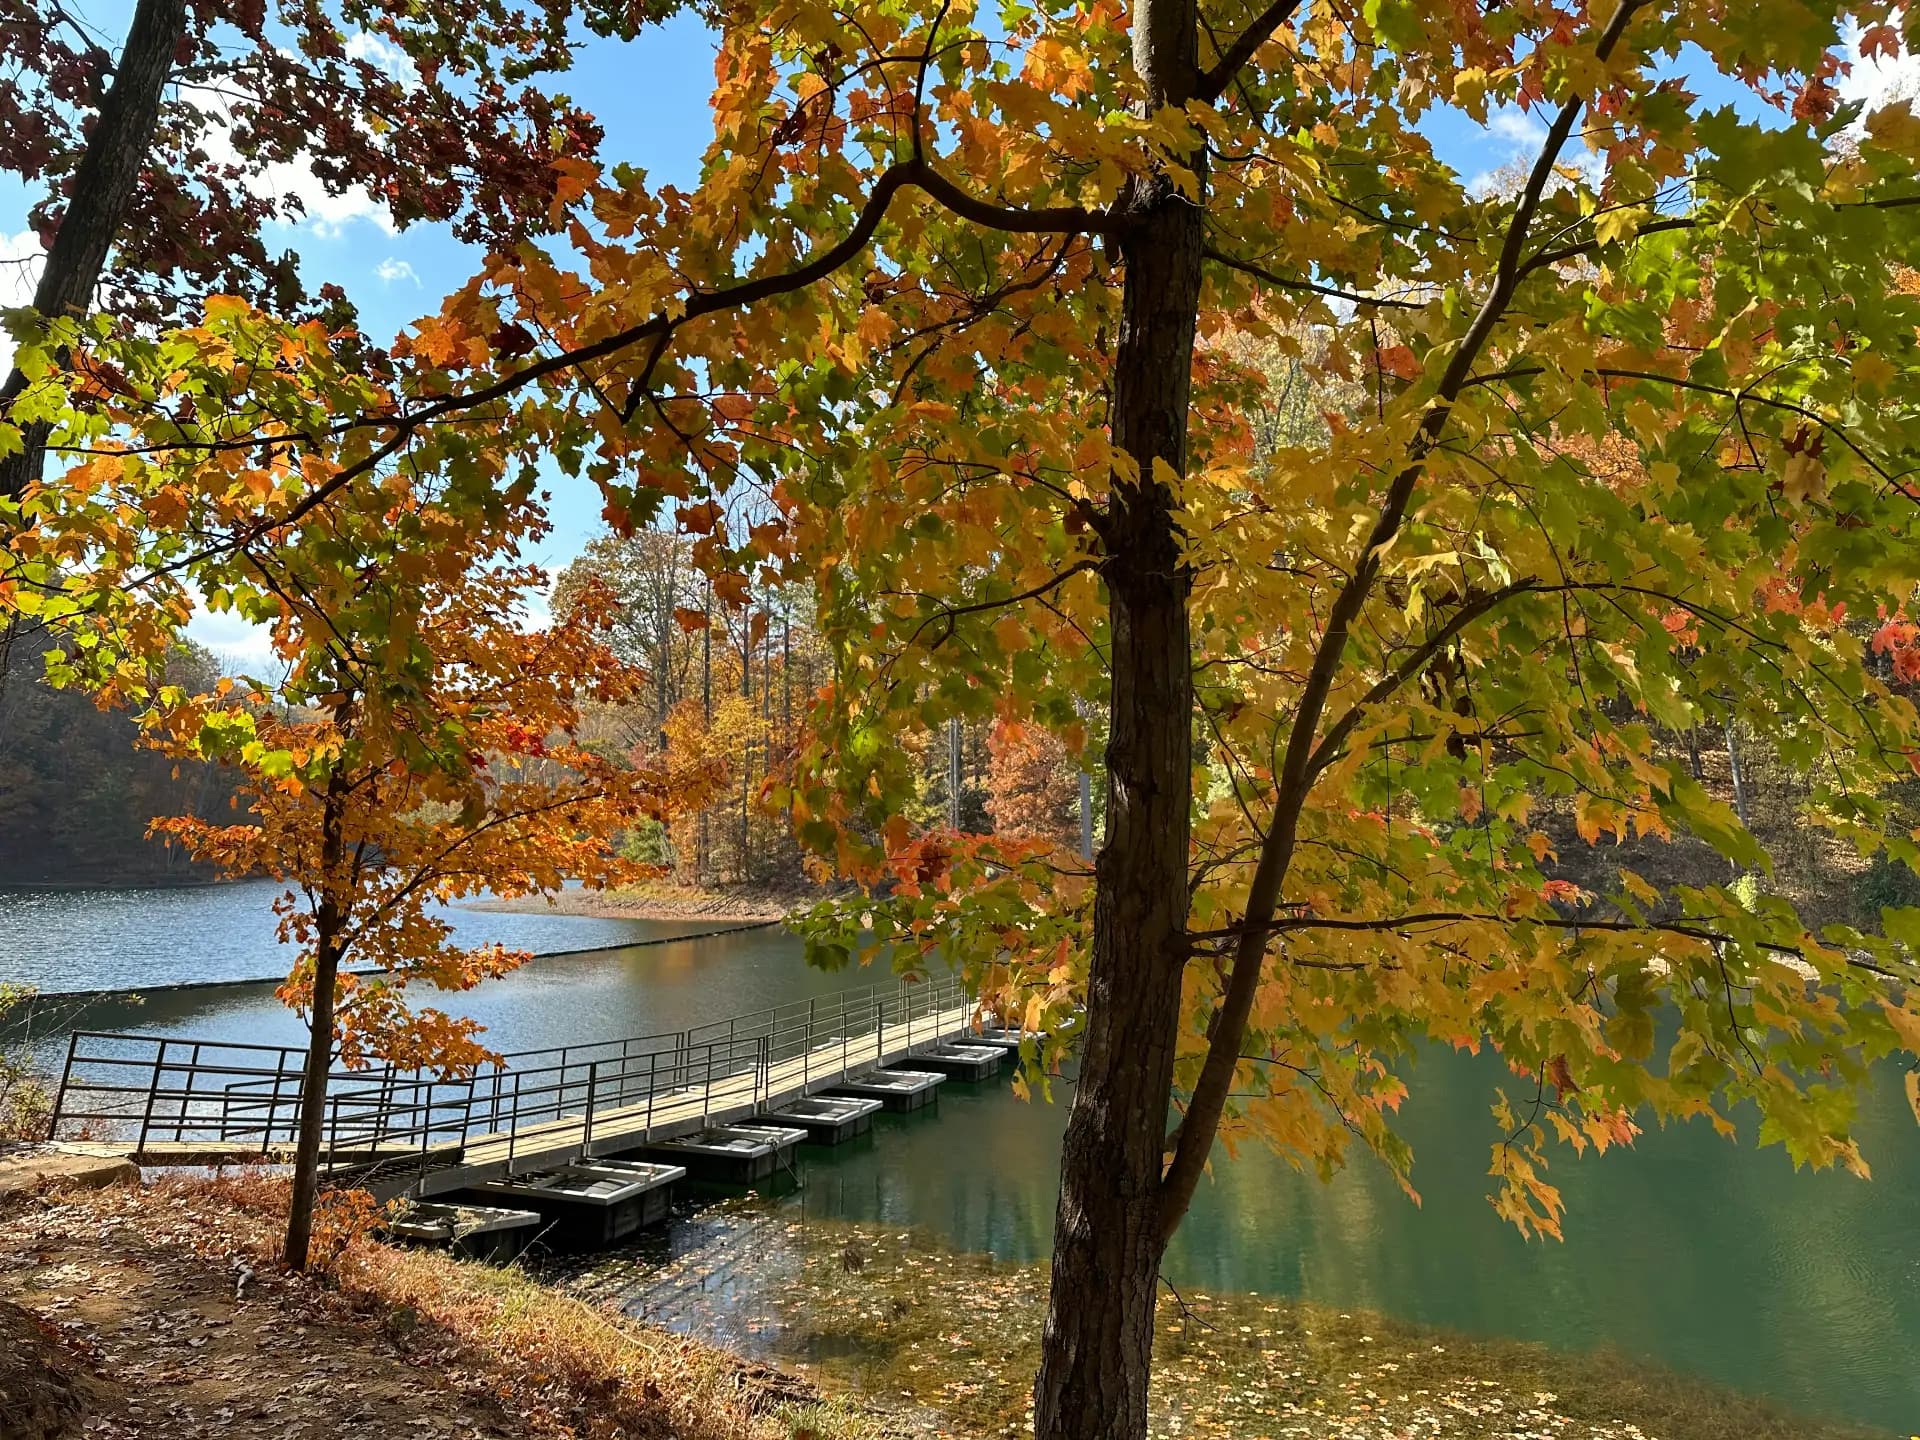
(170, 1100)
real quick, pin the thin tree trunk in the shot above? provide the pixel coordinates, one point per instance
(1098, 1343)
(1739, 780)
(706, 709)
(955, 766)
(117, 148)
(313, 1083)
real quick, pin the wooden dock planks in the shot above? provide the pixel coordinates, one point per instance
(729, 1097)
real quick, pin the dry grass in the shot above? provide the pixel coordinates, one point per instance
(570, 1367)
(592, 1361)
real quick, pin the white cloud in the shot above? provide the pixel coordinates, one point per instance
(1516, 128)
(1878, 80)
(327, 215)
(20, 261)
(1511, 142)
(391, 269)
(384, 55)
(239, 644)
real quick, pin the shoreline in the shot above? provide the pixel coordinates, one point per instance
(663, 904)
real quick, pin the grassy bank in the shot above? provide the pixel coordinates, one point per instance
(169, 1290)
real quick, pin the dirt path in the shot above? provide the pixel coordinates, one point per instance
(138, 1340)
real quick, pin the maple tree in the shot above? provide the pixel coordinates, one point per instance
(154, 172)
(1620, 448)
(374, 833)
(423, 742)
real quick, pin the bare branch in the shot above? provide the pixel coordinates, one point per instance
(1308, 287)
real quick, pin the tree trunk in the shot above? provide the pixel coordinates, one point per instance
(1107, 1243)
(1739, 780)
(117, 148)
(313, 1082)
(706, 711)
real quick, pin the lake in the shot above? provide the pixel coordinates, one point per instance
(1713, 1259)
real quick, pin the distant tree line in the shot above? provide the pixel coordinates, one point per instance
(77, 792)
(735, 676)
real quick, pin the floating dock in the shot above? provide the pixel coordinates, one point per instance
(589, 1205)
(468, 1232)
(732, 1154)
(1001, 1039)
(659, 1179)
(175, 1100)
(960, 1062)
(827, 1119)
(895, 1089)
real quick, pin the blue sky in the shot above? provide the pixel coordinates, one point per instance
(651, 97)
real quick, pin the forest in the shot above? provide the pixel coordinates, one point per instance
(77, 793)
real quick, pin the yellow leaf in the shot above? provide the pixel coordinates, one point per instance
(1805, 478)
(1895, 127)
(1616, 226)
(1872, 370)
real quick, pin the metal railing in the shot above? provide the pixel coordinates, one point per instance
(217, 1096)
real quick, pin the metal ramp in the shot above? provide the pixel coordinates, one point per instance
(170, 1100)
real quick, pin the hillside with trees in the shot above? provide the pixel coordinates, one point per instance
(77, 789)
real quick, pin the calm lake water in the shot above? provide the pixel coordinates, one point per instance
(96, 939)
(1713, 1259)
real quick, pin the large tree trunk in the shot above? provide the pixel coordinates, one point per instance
(1098, 1343)
(331, 917)
(117, 148)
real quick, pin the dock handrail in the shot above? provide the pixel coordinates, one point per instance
(194, 1094)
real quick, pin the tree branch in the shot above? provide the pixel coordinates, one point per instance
(660, 327)
(1409, 666)
(1209, 1098)
(1308, 287)
(1214, 80)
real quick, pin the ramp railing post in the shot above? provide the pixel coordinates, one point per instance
(60, 1095)
(513, 1123)
(186, 1095)
(153, 1089)
(586, 1133)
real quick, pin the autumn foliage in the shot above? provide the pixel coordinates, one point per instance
(523, 809)
(976, 328)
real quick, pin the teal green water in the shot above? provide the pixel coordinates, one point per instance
(1708, 1258)
(1711, 1258)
